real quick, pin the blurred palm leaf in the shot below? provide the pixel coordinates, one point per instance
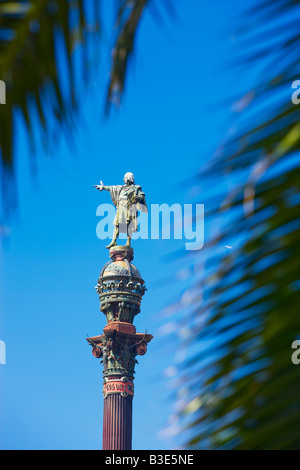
(129, 16)
(243, 389)
(34, 36)
(37, 40)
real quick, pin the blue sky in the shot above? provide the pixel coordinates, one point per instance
(171, 119)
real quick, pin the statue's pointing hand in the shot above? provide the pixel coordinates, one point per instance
(100, 186)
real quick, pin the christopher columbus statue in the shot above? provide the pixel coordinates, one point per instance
(128, 199)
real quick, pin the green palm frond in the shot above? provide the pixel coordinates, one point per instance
(128, 19)
(129, 16)
(34, 36)
(243, 386)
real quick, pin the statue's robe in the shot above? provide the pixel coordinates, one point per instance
(128, 199)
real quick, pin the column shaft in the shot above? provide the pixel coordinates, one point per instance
(117, 422)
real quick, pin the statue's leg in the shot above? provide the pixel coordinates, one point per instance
(115, 236)
(128, 243)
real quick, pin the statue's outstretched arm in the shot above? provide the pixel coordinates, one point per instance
(101, 186)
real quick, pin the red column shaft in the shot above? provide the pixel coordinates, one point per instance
(117, 422)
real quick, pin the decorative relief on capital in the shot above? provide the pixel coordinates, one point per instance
(118, 354)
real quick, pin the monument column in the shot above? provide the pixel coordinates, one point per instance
(120, 288)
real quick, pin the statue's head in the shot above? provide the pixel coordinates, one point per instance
(128, 178)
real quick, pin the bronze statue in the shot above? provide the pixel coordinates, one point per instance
(128, 199)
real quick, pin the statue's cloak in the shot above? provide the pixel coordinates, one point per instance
(135, 201)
